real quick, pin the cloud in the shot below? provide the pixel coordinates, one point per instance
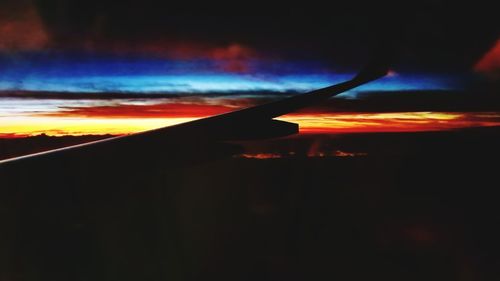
(84, 96)
(391, 122)
(410, 101)
(168, 105)
(489, 64)
(21, 28)
(234, 58)
(162, 110)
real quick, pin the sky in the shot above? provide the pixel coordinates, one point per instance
(94, 67)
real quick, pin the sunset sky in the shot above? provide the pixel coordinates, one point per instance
(61, 75)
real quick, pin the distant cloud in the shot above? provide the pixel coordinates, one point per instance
(489, 64)
(162, 110)
(131, 105)
(21, 28)
(234, 58)
(391, 122)
(411, 101)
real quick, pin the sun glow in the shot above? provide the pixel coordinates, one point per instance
(19, 126)
(389, 122)
(52, 126)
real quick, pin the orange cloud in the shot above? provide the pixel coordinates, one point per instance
(128, 116)
(391, 122)
(230, 58)
(234, 58)
(489, 64)
(260, 155)
(104, 120)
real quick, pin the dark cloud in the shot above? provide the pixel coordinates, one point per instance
(259, 96)
(423, 144)
(163, 110)
(412, 101)
(430, 34)
(368, 102)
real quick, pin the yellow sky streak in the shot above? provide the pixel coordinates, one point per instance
(406, 121)
(56, 126)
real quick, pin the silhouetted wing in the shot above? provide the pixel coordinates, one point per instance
(195, 140)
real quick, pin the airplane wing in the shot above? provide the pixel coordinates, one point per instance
(102, 210)
(164, 143)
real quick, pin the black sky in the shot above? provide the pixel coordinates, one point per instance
(429, 33)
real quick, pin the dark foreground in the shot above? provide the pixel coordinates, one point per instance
(415, 207)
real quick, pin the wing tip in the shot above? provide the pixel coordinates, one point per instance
(382, 57)
(372, 71)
